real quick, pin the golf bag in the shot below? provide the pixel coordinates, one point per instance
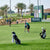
(17, 41)
(43, 34)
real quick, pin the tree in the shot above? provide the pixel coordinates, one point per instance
(21, 6)
(17, 8)
(31, 8)
(4, 9)
(1, 12)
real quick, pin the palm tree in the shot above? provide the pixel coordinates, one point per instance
(4, 9)
(0, 12)
(31, 8)
(21, 6)
(17, 8)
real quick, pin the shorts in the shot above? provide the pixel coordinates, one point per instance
(25, 26)
(9, 22)
(28, 27)
(17, 22)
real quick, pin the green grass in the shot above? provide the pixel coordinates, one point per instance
(30, 41)
(28, 16)
(48, 16)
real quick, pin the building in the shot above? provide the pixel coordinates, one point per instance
(47, 10)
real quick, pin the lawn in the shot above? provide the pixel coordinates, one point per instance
(29, 41)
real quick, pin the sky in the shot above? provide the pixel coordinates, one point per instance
(46, 3)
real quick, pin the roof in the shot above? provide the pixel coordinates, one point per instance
(47, 10)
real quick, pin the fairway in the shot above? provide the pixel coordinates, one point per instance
(30, 41)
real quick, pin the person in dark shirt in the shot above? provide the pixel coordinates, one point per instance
(28, 27)
(7, 21)
(43, 33)
(17, 41)
(10, 22)
(17, 21)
